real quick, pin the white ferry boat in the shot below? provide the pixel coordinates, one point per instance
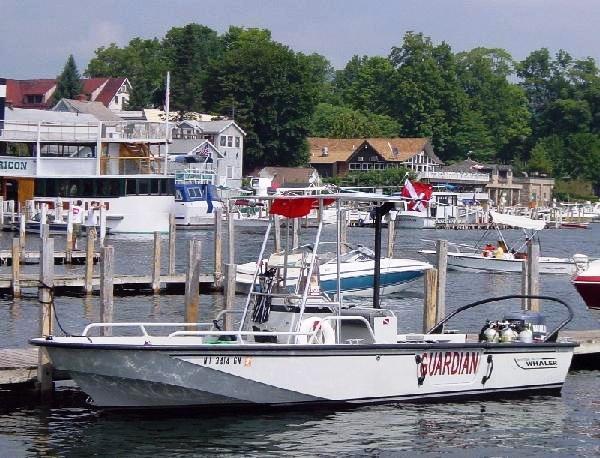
(46, 155)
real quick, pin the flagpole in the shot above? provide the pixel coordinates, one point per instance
(167, 112)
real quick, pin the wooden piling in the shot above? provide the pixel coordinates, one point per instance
(430, 301)
(22, 233)
(231, 238)
(156, 264)
(533, 257)
(277, 233)
(1, 212)
(44, 232)
(390, 239)
(218, 235)
(44, 372)
(192, 282)
(106, 287)
(172, 238)
(16, 267)
(343, 231)
(525, 284)
(69, 240)
(295, 233)
(43, 218)
(441, 250)
(102, 224)
(89, 260)
(230, 270)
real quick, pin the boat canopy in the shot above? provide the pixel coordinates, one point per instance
(517, 221)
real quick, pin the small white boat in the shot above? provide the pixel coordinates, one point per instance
(195, 198)
(356, 270)
(489, 259)
(295, 347)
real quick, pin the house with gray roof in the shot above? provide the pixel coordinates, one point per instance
(225, 142)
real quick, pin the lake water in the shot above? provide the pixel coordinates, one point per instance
(565, 425)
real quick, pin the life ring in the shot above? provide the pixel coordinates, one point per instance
(324, 335)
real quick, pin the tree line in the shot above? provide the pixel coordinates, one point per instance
(539, 114)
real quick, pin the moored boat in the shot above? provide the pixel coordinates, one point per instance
(293, 346)
(587, 283)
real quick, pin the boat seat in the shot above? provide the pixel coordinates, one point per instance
(356, 331)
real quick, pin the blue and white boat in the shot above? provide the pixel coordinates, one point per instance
(195, 198)
(356, 272)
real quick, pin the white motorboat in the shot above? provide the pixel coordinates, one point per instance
(356, 270)
(490, 258)
(294, 347)
(195, 198)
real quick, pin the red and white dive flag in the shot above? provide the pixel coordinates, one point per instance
(418, 193)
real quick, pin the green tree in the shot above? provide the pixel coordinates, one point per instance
(335, 121)
(68, 83)
(272, 91)
(426, 97)
(539, 160)
(142, 62)
(498, 114)
(189, 51)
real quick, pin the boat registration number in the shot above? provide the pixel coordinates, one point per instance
(222, 360)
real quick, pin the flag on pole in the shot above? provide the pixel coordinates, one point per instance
(418, 193)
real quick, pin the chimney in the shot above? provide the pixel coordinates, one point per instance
(2, 101)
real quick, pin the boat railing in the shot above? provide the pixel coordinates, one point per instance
(550, 336)
(134, 165)
(141, 326)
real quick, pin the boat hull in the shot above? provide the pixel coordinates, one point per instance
(478, 263)
(147, 376)
(589, 290)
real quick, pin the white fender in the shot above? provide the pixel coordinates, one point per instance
(324, 335)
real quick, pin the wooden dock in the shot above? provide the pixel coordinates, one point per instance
(73, 284)
(60, 257)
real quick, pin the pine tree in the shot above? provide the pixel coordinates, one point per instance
(68, 84)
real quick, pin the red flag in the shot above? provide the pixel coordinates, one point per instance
(297, 207)
(292, 208)
(419, 193)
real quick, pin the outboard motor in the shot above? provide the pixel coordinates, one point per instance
(526, 320)
(581, 261)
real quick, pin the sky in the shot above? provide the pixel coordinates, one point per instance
(38, 35)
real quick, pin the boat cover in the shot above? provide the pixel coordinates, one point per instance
(517, 221)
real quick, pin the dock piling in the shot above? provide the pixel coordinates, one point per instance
(295, 233)
(533, 255)
(277, 233)
(16, 267)
(22, 233)
(106, 287)
(230, 270)
(441, 251)
(172, 239)
(156, 264)
(192, 282)
(44, 372)
(218, 235)
(343, 231)
(89, 260)
(231, 237)
(430, 303)
(391, 234)
(69, 240)
(525, 284)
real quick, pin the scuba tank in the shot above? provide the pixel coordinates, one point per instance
(526, 335)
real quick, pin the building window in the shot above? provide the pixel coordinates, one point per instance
(360, 159)
(229, 141)
(223, 140)
(117, 99)
(374, 158)
(33, 98)
(237, 142)
(229, 171)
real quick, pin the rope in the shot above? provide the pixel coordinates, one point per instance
(50, 289)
